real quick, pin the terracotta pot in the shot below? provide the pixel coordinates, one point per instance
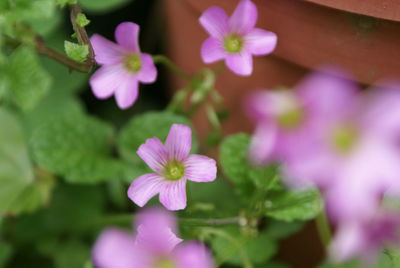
(311, 33)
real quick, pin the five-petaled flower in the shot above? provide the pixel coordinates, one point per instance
(173, 166)
(123, 66)
(235, 39)
(155, 245)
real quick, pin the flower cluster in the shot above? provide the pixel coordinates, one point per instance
(329, 135)
(155, 245)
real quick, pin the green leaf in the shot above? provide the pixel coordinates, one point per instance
(28, 82)
(63, 3)
(75, 51)
(102, 6)
(16, 172)
(71, 253)
(235, 165)
(5, 253)
(32, 9)
(143, 127)
(258, 249)
(294, 205)
(76, 147)
(81, 20)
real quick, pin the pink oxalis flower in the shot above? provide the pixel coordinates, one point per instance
(329, 135)
(235, 39)
(173, 166)
(123, 66)
(155, 245)
(365, 238)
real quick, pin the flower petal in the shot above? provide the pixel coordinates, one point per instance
(106, 52)
(127, 92)
(244, 17)
(157, 239)
(127, 35)
(106, 80)
(115, 248)
(193, 255)
(179, 142)
(173, 195)
(154, 153)
(212, 50)
(240, 63)
(148, 72)
(262, 146)
(200, 168)
(260, 42)
(327, 93)
(215, 21)
(144, 188)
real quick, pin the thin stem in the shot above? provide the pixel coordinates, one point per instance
(81, 34)
(173, 67)
(44, 50)
(210, 222)
(323, 228)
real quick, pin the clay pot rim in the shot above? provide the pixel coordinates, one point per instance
(389, 11)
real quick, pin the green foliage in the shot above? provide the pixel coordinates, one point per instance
(236, 166)
(101, 6)
(81, 20)
(63, 3)
(16, 173)
(75, 51)
(26, 80)
(293, 205)
(258, 249)
(76, 147)
(5, 253)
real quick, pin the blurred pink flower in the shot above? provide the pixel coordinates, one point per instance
(365, 238)
(123, 66)
(235, 39)
(327, 134)
(154, 246)
(173, 166)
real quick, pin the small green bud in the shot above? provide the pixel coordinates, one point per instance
(81, 20)
(76, 52)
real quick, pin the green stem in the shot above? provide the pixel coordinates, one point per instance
(323, 228)
(170, 65)
(210, 222)
(127, 219)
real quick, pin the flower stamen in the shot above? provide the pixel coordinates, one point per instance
(133, 63)
(174, 171)
(233, 44)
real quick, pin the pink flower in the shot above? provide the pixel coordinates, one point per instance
(123, 66)
(328, 134)
(173, 166)
(286, 118)
(154, 246)
(364, 239)
(235, 39)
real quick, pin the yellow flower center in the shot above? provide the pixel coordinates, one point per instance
(233, 44)
(290, 119)
(132, 62)
(344, 138)
(164, 263)
(174, 171)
